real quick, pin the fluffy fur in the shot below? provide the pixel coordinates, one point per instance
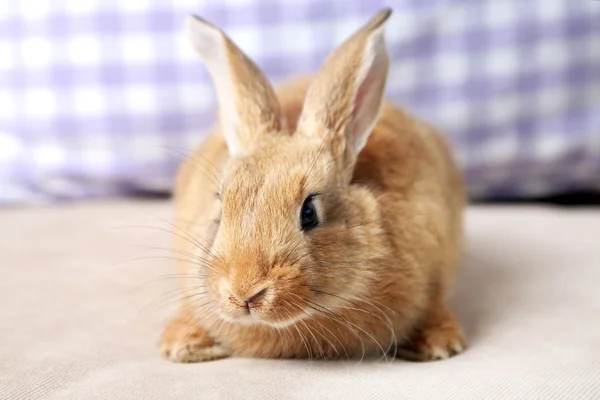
(372, 278)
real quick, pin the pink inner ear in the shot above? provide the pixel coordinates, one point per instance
(362, 93)
(364, 90)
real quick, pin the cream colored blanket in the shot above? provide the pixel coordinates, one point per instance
(83, 299)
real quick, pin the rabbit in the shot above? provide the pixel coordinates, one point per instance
(318, 220)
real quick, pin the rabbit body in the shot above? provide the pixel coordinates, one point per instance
(372, 276)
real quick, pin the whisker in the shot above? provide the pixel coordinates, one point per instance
(324, 337)
(309, 353)
(352, 324)
(213, 177)
(150, 258)
(198, 325)
(193, 239)
(190, 154)
(190, 241)
(289, 253)
(170, 250)
(309, 331)
(297, 260)
(321, 312)
(387, 320)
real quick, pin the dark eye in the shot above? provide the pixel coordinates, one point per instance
(308, 215)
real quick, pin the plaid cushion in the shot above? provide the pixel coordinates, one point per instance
(105, 97)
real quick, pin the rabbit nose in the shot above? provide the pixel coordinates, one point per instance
(251, 301)
(255, 298)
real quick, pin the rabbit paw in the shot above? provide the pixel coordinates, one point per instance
(184, 341)
(439, 338)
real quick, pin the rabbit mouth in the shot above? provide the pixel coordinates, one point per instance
(269, 302)
(253, 319)
(269, 315)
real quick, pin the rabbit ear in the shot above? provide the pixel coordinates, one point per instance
(247, 103)
(344, 100)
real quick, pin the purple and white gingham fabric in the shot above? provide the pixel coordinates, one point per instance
(105, 97)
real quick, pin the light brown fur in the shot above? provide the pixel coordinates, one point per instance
(372, 276)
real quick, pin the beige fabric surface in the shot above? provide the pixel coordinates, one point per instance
(79, 322)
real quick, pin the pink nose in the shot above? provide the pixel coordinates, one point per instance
(251, 301)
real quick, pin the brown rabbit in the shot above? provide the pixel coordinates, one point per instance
(334, 229)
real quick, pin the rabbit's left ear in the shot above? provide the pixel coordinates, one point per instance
(344, 100)
(247, 103)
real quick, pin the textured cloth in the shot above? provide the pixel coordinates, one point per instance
(105, 97)
(77, 322)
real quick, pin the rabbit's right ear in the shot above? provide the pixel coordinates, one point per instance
(247, 103)
(344, 100)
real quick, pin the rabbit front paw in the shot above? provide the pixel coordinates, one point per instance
(439, 338)
(185, 341)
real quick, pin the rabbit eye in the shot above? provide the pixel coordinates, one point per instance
(308, 215)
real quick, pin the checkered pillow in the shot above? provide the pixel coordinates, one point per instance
(105, 97)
